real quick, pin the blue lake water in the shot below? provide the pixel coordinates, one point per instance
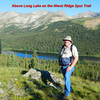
(40, 56)
(48, 56)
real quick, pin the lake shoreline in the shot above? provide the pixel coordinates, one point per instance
(46, 55)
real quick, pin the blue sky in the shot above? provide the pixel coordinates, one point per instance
(6, 5)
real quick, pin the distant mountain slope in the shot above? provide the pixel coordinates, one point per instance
(44, 31)
(87, 14)
(92, 23)
(48, 38)
(9, 21)
(13, 22)
(89, 22)
(32, 20)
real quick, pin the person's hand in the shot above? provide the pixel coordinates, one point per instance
(69, 68)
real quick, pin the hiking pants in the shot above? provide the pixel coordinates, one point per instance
(67, 76)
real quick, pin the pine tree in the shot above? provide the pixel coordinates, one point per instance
(34, 59)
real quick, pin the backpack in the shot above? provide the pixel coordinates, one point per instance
(60, 58)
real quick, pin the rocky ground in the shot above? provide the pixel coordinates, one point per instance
(16, 85)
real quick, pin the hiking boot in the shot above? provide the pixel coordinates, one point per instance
(66, 98)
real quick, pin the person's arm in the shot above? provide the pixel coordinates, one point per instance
(73, 63)
(75, 55)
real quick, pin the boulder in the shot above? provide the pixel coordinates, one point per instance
(33, 73)
(44, 75)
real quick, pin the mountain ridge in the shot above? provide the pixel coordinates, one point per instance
(34, 19)
(87, 14)
(38, 18)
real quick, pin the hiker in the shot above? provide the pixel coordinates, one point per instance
(68, 58)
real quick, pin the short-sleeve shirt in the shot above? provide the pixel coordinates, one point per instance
(66, 52)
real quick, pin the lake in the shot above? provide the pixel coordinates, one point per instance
(46, 56)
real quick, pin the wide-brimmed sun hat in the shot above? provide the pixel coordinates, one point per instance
(67, 38)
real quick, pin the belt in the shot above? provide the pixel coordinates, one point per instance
(66, 65)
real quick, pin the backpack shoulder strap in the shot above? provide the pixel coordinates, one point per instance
(71, 49)
(62, 46)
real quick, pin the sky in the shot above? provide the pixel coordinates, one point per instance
(6, 6)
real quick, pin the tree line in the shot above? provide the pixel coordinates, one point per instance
(85, 69)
